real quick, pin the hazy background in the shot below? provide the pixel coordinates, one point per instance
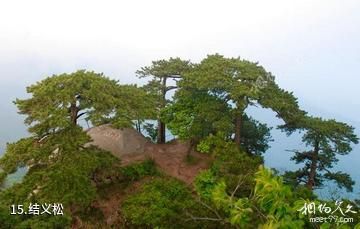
(312, 47)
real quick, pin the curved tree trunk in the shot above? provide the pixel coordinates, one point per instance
(238, 123)
(161, 132)
(240, 108)
(313, 167)
(74, 113)
(161, 126)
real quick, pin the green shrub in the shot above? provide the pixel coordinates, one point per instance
(139, 170)
(204, 183)
(2, 177)
(53, 222)
(232, 164)
(204, 146)
(161, 202)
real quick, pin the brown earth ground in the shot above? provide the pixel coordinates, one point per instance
(173, 159)
(131, 146)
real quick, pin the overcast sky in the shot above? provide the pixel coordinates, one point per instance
(311, 46)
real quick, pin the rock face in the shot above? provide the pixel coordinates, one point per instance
(119, 142)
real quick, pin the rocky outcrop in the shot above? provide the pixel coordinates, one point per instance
(132, 147)
(119, 142)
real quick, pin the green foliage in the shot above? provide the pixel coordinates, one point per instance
(237, 211)
(68, 182)
(92, 216)
(213, 96)
(204, 184)
(173, 67)
(284, 104)
(132, 103)
(137, 171)
(195, 114)
(59, 101)
(271, 204)
(160, 203)
(46, 223)
(234, 83)
(232, 78)
(2, 177)
(160, 72)
(17, 154)
(231, 164)
(213, 143)
(60, 171)
(255, 136)
(204, 146)
(301, 191)
(6, 221)
(208, 109)
(254, 140)
(270, 193)
(268, 206)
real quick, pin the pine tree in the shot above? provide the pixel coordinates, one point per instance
(59, 101)
(327, 139)
(240, 83)
(161, 72)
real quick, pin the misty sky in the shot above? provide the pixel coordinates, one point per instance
(312, 47)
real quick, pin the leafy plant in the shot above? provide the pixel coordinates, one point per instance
(204, 184)
(269, 205)
(139, 170)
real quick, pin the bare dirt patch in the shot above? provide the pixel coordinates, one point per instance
(173, 159)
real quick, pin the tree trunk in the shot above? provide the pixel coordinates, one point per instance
(161, 132)
(138, 126)
(161, 126)
(74, 113)
(238, 123)
(191, 146)
(313, 167)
